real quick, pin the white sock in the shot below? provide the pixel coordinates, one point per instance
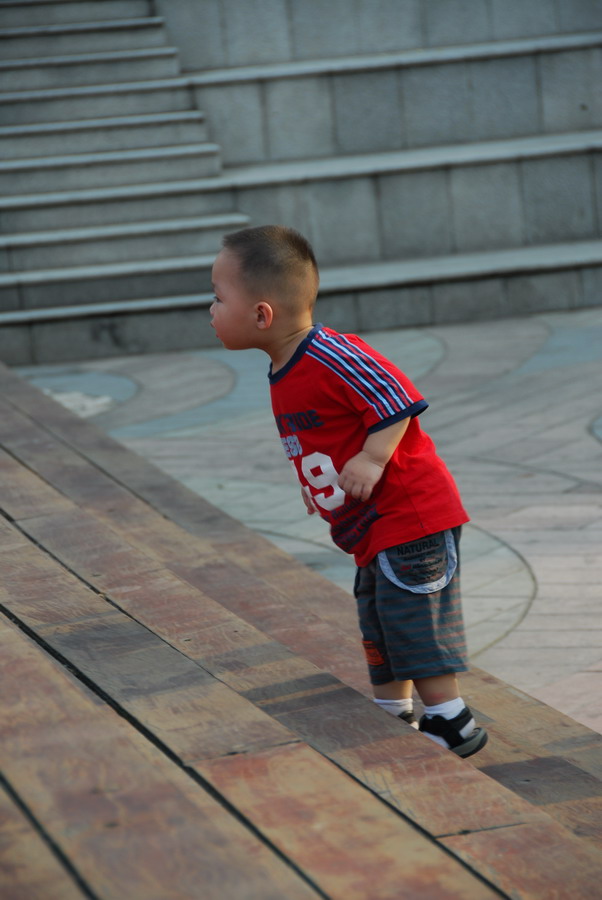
(396, 707)
(449, 710)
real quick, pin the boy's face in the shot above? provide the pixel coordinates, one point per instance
(233, 307)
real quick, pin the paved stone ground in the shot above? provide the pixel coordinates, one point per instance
(516, 411)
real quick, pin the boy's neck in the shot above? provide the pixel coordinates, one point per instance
(282, 351)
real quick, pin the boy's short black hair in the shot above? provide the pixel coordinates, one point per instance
(276, 260)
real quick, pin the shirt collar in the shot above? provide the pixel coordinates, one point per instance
(299, 352)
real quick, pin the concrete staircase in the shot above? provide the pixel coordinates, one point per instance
(456, 178)
(103, 156)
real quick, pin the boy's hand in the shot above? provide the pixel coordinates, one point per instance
(309, 504)
(359, 476)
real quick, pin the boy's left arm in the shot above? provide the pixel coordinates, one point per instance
(363, 471)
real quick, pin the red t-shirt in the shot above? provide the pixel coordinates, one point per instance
(334, 392)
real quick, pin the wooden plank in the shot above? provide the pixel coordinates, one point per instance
(270, 610)
(229, 582)
(77, 478)
(351, 731)
(164, 616)
(17, 497)
(134, 824)
(389, 831)
(44, 594)
(179, 702)
(143, 478)
(86, 546)
(199, 720)
(541, 755)
(348, 842)
(39, 590)
(120, 665)
(410, 774)
(520, 726)
(583, 819)
(583, 750)
(10, 537)
(313, 721)
(547, 779)
(29, 870)
(296, 625)
(534, 724)
(101, 558)
(311, 634)
(566, 869)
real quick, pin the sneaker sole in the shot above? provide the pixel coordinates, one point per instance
(473, 744)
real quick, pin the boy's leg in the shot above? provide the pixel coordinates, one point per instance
(438, 689)
(447, 720)
(395, 697)
(393, 690)
(419, 608)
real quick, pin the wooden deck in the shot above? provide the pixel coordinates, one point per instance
(185, 713)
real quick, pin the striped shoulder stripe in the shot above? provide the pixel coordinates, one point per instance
(362, 372)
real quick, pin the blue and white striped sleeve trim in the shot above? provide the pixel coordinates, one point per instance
(376, 386)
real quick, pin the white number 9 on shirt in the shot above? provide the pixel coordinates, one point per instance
(320, 473)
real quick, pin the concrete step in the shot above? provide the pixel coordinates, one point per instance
(375, 27)
(117, 168)
(395, 101)
(58, 316)
(81, 37)
(461, 198)
(451, 94)
(107, 206)
(455, 288)
(54, 12)
(88, 68)
(462, 288)
(432, 202)
(95, 101)
(83, 285)
(117, 243)
(98, 135)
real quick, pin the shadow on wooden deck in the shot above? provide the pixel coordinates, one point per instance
(185, 713)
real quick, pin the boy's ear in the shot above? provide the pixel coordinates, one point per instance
(264, 314)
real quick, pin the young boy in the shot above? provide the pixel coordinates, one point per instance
(348, 421)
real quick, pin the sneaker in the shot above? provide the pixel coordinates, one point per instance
(461, 735)
(409, 717)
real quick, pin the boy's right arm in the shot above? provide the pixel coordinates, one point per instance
(364, 470)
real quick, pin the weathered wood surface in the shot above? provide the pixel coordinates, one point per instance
(199, 721)
(260, 584)
(130, 822)
(20, 846)
(295, 797)
(239, 671)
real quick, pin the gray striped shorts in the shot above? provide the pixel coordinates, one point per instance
(410, 610)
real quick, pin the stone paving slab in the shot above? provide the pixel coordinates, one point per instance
(512, 407)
